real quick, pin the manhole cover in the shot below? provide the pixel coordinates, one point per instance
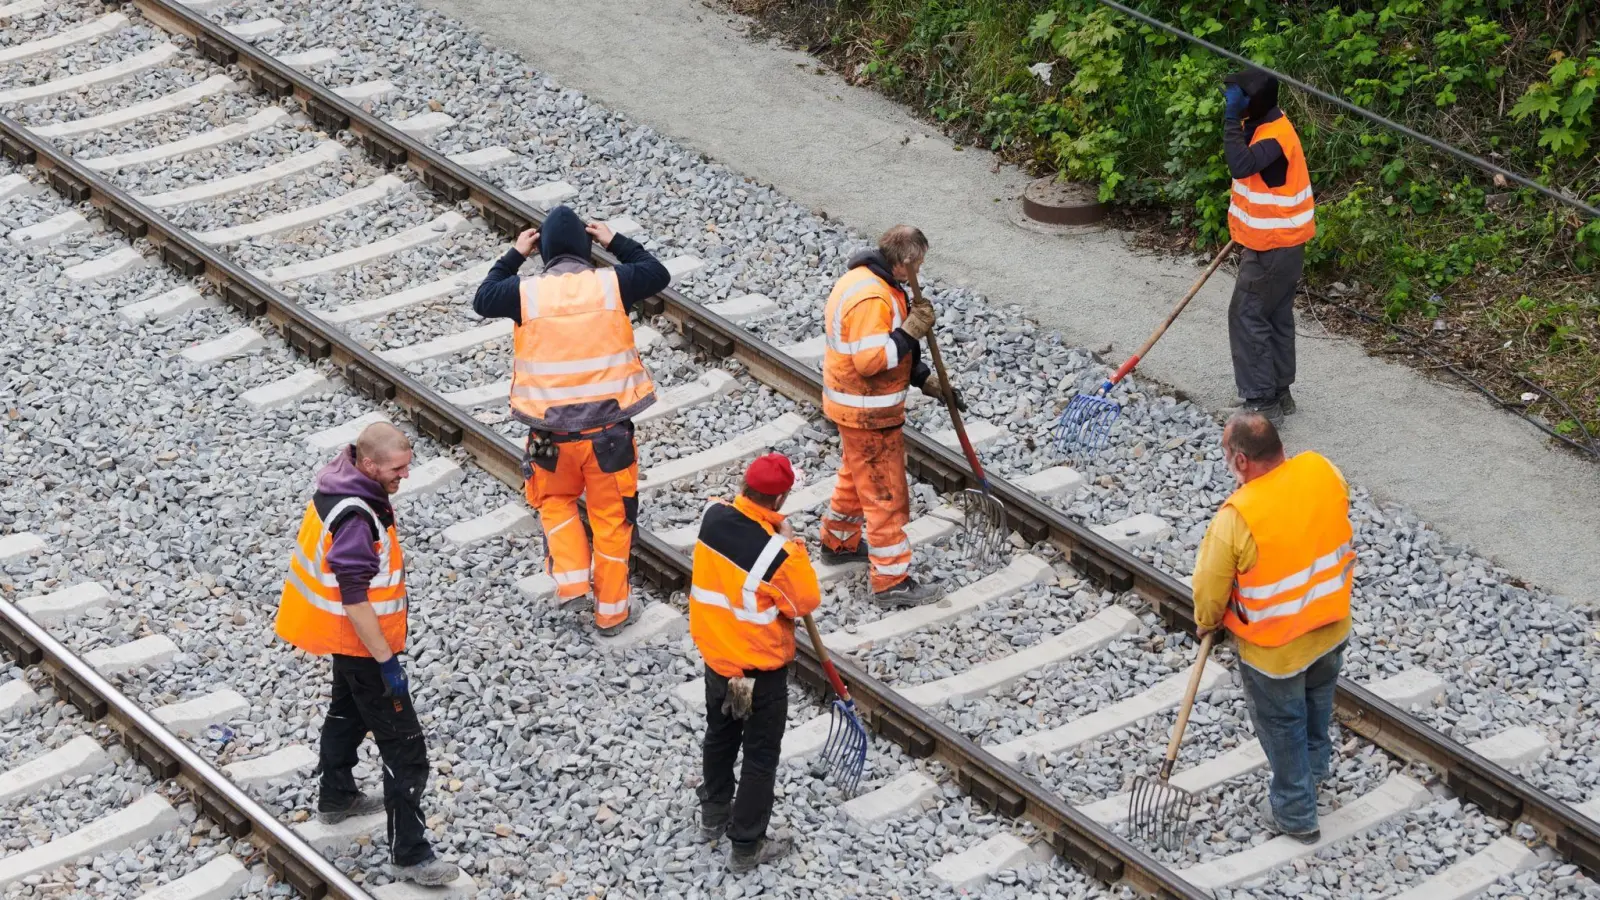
(1062, 202)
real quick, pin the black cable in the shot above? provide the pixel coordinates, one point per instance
(1340, 102)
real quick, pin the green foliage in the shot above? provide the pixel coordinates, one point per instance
(1138, 112)
(1567, 98)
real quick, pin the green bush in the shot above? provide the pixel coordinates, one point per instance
(1138, 113)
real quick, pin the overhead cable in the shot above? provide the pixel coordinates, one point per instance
(1344, 104)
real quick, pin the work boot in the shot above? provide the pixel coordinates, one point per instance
(1286, 401)
(1271, 409)
(432, 872)
(1271, 818)
(908, 593)
(364, 805)
(745, 857)
(841, 557)
(614, 630)
(713, 821)
(580, 604)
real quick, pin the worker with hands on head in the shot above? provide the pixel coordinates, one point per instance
(752, 579)
(1276, 569)
(345, 596)
(872, 358)
(577, 382)
(1272, 215)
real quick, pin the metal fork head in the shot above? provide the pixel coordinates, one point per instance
(846, 750)
(1158, 813)
(1086, 422)
(983, 518)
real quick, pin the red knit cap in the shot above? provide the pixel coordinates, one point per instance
(770, 474)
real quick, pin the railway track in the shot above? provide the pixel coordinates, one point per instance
(337, 296)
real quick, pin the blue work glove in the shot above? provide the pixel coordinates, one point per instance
(1236, 102)
(394, 678)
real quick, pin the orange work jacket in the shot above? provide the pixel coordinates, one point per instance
(864, 380)
(1299, 516)
(576, 364)
(748, 588)
(1270, 218)
(311, 615)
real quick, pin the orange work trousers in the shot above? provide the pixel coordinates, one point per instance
(604, 470)
(872, 490)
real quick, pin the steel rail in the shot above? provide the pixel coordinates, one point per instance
(1479, 780)
(168, 757)
(1076, 837)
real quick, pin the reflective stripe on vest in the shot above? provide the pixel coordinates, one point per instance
(848, 397)
(1262, 217)
(576, 365)
(734, 613)
(1299, 517)
(311, 611)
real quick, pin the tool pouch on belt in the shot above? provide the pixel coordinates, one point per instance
(539, 451)
(741, 695)
(613, 447)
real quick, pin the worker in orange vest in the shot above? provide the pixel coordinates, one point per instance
(752, 579)
(1276, 569)
(1271, 214)
(577, 382)
(345, 596)
(872, 357)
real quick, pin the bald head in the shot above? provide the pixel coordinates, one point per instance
(383, 453)
(380, 440)
(1251, 445)
(903, 247)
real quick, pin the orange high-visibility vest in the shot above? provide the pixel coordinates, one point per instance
(849, 398)
(741, 609)
(311, 615)
(1268, 218)
(576, 364)
(1299, 516)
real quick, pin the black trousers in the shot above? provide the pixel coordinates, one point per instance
(1261, 322)
(358, 707)
(761, 736)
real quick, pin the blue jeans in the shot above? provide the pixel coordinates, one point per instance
(1291, 717)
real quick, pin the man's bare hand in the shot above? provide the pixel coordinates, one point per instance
(527, 240)
(785, 529)
(601, 232)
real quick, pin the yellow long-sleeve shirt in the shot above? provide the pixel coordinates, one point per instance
(1228, 549)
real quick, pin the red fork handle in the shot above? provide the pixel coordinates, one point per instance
(835, 680)
(1126, 368)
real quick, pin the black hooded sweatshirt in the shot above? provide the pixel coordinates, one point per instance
(565, 246)
(904, 344)
(1266, 157)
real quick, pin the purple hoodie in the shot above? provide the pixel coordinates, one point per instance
(353, 559)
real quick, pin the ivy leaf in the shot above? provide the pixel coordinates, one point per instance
(1042, 25)
(1563, 71)
(1559, 139)
(1539, 100)
(1577, 104)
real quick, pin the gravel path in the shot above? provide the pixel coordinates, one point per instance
(1165, 459)
(549, 755)
(213, 511)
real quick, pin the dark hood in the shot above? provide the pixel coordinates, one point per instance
(873, 260)
(341, 477)
(1261, 88)
(562, 234)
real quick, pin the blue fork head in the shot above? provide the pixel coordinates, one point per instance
(846, 750)
(1086, 422)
